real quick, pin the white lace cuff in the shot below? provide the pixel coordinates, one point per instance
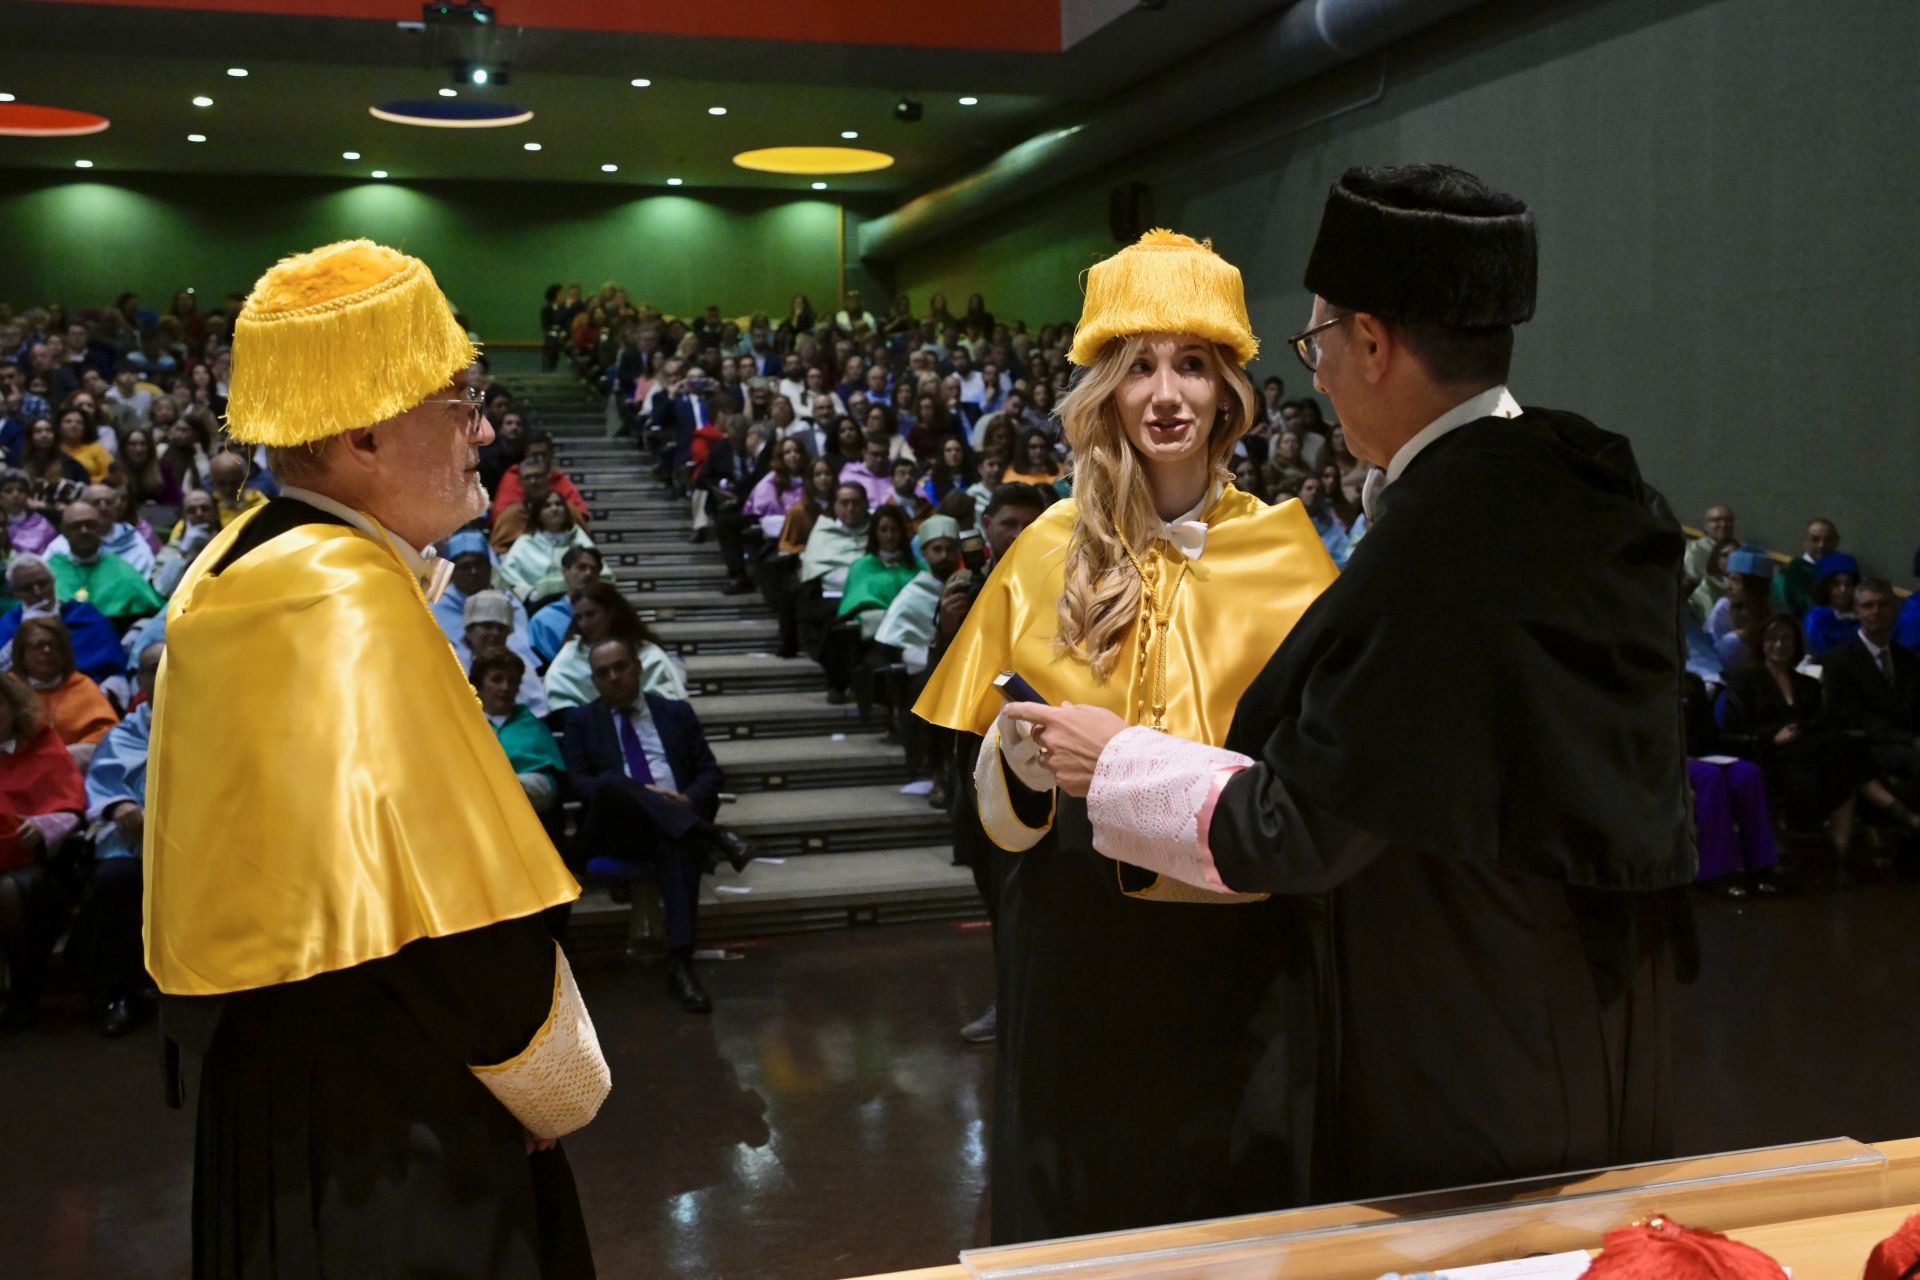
(997, 816)
(1151, 797)
(557, 1083)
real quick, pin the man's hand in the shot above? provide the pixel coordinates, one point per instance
(955, 601)
(670, 794)
(1071, 739)
(30, 837)
(129, 818)
(1788, 733)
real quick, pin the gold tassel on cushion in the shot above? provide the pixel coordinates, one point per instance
(352, 306)
(1165, 283)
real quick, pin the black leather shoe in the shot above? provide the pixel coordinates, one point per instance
(737, 587)
(684, 986)
(836, 697)
(119, 1019)
(733, 847)
(699, 536)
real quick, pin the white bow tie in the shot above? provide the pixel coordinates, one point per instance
(1188, 537)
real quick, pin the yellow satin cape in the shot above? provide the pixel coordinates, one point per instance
(1261, 568)
(323, 787)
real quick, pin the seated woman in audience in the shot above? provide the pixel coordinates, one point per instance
(79, 713)
(1346, 510)
(140, 466)
(1712, 587)
(1313, 496)
(1287, 467)
(849, 445)
(99, 417)
(1774, 715)
(781, 583)
(903, 402)
(872, 582)
(531, 568)
(529, 745)
(951, 471)
(186, 464)
(44, 461)
(79, 440)
(1732, 823)
(776, 492)
(1734, 622)
(42, 799)
(991, 468)
(1353, 472)
(1831, 621)
(932, 430)
(27, 529)
(1036, 461)
(602, 613)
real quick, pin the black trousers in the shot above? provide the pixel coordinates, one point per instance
(729, 534)
(104, 947)
(625, 820)
(34, 905)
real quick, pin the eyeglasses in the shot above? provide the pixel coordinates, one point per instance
(473, 403)
(1307, 347)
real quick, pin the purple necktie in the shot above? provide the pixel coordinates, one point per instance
(637, 767)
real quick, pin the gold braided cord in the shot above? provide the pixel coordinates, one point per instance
(1158, 636)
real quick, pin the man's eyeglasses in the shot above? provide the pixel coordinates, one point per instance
(473, 403)
(1307, 347)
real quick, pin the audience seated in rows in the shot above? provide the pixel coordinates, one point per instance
(601, 613)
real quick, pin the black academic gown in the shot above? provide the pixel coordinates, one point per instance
(339, 1131)
(1145, 1065)
(1472, 745)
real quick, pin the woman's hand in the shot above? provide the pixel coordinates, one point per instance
(1787, 735)
(1070, 738)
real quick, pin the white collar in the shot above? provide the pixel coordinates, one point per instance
(1187, 532)
(7, 747)
(1875, 649)
(417, 561)
(1494, 402)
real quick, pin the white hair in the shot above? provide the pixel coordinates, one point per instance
(25, 560)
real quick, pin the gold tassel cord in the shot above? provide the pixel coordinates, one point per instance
(1159, 635)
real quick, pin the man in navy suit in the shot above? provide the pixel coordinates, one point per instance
(652, 787)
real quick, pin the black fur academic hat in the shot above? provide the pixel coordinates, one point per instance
(1425, 244)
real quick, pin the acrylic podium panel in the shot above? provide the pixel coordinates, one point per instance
(1362, 1240)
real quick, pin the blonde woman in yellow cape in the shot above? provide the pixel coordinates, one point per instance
(1146, 1030)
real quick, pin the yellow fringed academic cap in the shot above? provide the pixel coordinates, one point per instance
(343, 337)
(1166, 283)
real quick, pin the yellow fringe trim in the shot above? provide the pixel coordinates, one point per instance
(329, 364)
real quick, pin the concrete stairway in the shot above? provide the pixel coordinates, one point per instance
(814, 788)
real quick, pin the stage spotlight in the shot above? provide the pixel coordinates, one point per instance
(907, 111)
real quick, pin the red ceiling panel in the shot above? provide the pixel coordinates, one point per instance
(1017, 26)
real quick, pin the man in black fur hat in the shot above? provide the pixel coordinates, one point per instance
(1471, 745)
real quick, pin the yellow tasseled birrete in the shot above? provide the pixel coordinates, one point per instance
(1164, 283)
(348, 335)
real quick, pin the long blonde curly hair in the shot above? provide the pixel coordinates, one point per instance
(1100, 597)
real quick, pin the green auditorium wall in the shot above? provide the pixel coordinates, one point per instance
(1726, 198)
(493, 247)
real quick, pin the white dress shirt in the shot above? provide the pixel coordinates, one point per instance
(1494, 402)
(644, 728)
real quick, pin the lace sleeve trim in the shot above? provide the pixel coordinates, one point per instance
(1152, 798)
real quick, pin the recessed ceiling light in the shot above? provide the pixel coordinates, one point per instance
(480, 75)
(531, 146)
(379, 173)
(6, 97)
(609, 168)
(196, 137)
(203, 101)
(819, 186)
(349, 155)
(640, 84)
(969, 102)
(83, 164)
(238, 73)
(716, 111)
(449, 93)
(849, 134)
(673, 182)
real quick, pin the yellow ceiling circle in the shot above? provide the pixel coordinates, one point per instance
(813, 160)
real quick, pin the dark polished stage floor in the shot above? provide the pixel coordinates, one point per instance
(827, 1120)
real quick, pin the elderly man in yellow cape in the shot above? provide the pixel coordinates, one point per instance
(345, 884)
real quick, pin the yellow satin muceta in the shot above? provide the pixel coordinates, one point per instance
(323, 787)
(1261, 568)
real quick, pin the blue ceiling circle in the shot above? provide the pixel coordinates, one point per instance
(448, 113)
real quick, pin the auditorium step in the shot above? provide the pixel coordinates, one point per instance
(779, 715)
(725, 635)
(834, 820)
(717, 673)
(806, 763)
(826, 891)
(694, 606)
